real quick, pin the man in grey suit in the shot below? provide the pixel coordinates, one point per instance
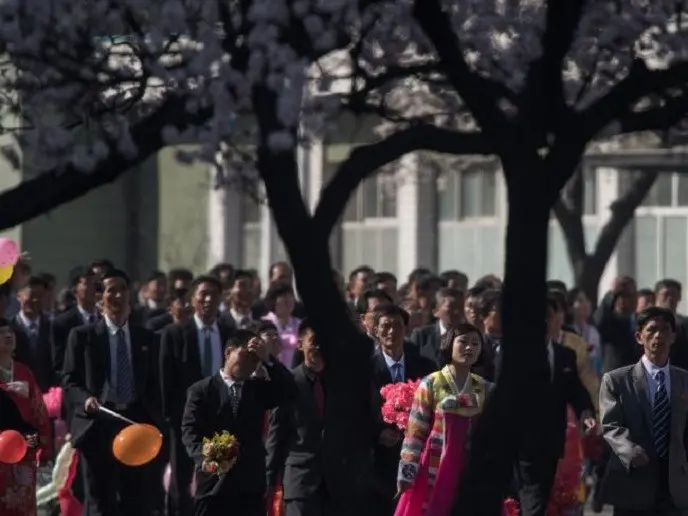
(644, 410)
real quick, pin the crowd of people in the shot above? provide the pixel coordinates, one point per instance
(197, 355)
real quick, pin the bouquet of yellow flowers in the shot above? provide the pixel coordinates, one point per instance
(220, 453)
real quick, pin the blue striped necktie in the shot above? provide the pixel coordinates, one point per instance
(397, 376)
(661, 416)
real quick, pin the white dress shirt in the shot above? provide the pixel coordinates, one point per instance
(112, 330)
(443, 328)
(26, 322)
(391, 364)
(229, 382)
(215, 339)
(651, 371)
(239, 318)
(86, 315)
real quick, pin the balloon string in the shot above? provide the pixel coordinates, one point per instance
(116, 415)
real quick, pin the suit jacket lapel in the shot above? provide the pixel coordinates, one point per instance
(138, 356)
(306, 394)
(103, 345)
(643, 392)
(381, 369)
(191, 354)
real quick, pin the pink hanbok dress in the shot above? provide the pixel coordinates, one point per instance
(439, 428)
(289, 336)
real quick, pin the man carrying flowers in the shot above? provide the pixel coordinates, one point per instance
(222, 427)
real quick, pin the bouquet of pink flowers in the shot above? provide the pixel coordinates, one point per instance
(398, 398)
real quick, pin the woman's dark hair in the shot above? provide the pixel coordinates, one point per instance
(447, 341)
(275, 291)
(655, 312)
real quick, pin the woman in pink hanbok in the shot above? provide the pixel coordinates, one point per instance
(280, 302)
(444, 410)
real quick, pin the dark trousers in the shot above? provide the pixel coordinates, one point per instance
(179, 502)
(110, 488)
(663, 506)
(312, 506)
(535, 479)
(231, 505)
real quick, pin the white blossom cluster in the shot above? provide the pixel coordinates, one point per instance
(88, 79)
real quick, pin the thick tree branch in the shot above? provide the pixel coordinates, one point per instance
(365, 160)
(545, 82)
(568, 211)
(671, 112)
(52, 189)
(622, 211)
(623, 97)
(471, 87)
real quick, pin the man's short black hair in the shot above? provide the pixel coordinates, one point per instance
(390, 310)
(668, 283)
(373, 293)
(116, 273)
(156, 276)
(655, 312)
(101, 263)
(205, 278)
(77, 273)
(264, 326)
(178, 294)
(180, 274)
(35, 281)
(241, 274)
(239, 339)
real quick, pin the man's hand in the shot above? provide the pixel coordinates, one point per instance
(92, 405)
(589, 421)
(640, 459)
(257, 346)
(389, 437)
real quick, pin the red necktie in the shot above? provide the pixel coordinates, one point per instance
(319, 394)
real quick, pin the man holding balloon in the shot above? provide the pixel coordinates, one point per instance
(110, 378)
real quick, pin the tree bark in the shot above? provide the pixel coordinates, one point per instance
(506, 420)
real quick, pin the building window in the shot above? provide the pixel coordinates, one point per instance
(376, 198)
(468, 194)
(670, 190)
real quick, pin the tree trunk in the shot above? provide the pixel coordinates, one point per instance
(589, 275)
(508, 419)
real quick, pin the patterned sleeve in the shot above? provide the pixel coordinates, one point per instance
(419, 426)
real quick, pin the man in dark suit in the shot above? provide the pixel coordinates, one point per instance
(178, 312)
(541, 452)
(393, 361)
(235, 400)
(189, 352)
(34, 333)
(294, 440)
(113, 364)
(82, 282)
(449, 312)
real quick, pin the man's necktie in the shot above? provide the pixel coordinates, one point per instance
(33, 335)
(244, 323)
(125, 380)
(319, 394)
(396, 373)
(235, 397)
(208, 352)
(91, 319)
(661, 415)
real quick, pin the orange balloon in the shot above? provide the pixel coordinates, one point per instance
(137, 444)
(13, 447)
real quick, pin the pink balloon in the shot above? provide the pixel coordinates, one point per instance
(9, 252)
